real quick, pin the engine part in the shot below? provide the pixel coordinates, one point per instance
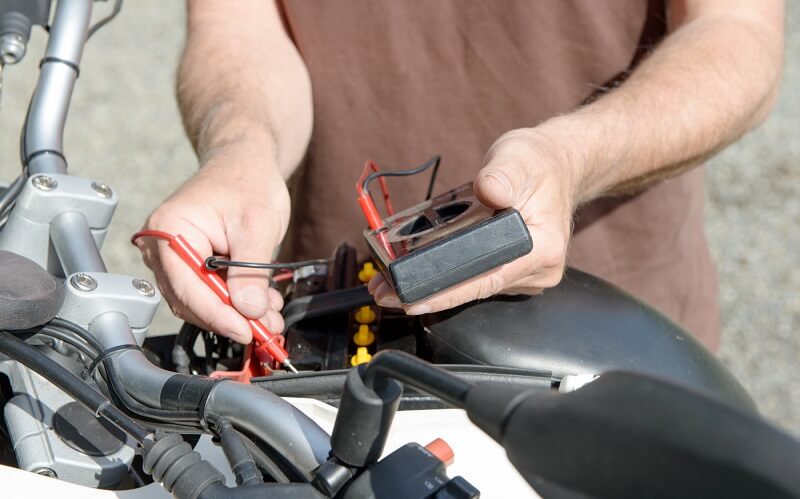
(50, 431)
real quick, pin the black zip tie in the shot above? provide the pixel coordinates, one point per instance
(104, 355)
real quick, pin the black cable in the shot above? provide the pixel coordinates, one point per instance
(418, 373)
(102, 22)
(115, 385)
(27, 355)
(78, 331)
(320, 304)
(264, 461)
(12, 192)
(239, 458)
(433, 162)
(66, 337)
(214, 263)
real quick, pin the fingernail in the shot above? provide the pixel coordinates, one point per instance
(254, 301)
(374, 283)
(418, 310)
(386, 298)
(503, 181)
(389, 302)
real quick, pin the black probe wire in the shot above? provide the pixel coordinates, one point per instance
(35, 360)
(431, 163)
(214, 263)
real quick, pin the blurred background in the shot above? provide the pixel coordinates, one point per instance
(124, 128)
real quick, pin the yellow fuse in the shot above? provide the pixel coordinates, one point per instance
(367, 272)
(364, 337)
(365, 315)
(362, 356)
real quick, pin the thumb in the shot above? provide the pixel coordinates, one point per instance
(503, 182)
(248, 287)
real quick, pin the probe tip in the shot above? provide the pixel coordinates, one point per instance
(288, 365)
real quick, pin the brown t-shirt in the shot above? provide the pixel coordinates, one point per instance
(398, 81)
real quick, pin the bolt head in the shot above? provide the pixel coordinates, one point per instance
(12, 48)
(45, 472)
(144, 287)
(83, 282)
(102, 190)
(44, 183)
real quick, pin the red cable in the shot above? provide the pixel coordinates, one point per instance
(365, 200)
(266, 340)
(283, 276)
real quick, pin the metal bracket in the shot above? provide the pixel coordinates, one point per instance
(45, 197)
(90, 294)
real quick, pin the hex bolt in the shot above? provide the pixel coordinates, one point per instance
(45, 472)
(44, 183)
(83, 282)
(12, 48)
(102, 190)
(144, 287)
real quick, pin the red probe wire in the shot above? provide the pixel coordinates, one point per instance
(365, 200)
(267, 342)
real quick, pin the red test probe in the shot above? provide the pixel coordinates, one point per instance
(267, 342)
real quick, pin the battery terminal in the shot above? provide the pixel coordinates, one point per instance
(365, 315)
(364, 337)
(367, 272)
(362, 356)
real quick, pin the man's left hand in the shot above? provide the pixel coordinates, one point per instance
(529, 171)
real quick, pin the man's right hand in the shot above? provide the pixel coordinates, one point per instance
(236, 205)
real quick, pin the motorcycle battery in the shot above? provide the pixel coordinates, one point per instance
(444, 241)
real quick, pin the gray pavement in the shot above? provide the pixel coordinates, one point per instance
(124, 128)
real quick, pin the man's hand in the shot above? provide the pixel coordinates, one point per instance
(710, 80)
(235, 205)
(531, 172)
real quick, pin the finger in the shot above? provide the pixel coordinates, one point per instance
(527, 274)
(273, 321)
(376, 281)
(386, 297)
(192, 301)
(506, 180)
(249, 287)
(275, 299)
(473, 289)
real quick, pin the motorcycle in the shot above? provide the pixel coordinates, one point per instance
(582, 391)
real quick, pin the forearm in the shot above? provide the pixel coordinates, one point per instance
(242, 82)
(712, 79)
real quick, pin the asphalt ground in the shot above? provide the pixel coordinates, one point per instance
(124, 128)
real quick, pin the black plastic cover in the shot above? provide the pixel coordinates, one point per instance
(584, 325)
(29, 295)
(445, 241)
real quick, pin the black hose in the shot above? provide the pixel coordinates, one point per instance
(418, 373)
(25, 354)
(239, 458)
(116, 386)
